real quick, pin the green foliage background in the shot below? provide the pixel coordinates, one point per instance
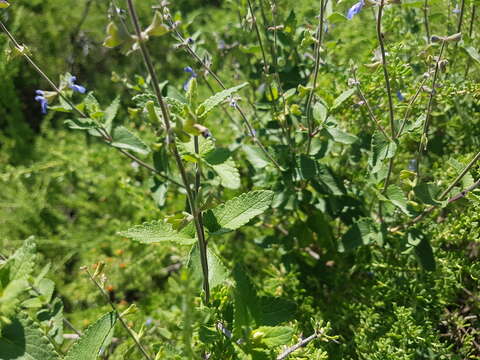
(73, 193)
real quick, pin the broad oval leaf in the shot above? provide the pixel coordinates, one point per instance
(124, 139)
(215, 100)
(156, 232)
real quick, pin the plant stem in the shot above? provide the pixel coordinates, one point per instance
(470, 33)
(429, 108)
(425, 20)
(409, 108)
(460, 19)
(171, 142)
(119, 316)
(318, 46)
(103, 132)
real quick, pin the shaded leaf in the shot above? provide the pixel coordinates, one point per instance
(362, 232)
(155, 232)
(217, 272)
(342, 98)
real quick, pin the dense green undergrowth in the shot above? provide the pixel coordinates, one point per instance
(319, 206)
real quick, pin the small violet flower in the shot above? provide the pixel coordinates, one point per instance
(42, 100)
(75, 87)
(192, 73)
(355, 9)
(456, 10)
(149, 321)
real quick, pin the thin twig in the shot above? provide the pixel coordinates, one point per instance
(429, 108)
(196, 213)
(119, 316)
(425, 20)
(460, 20)
(297, 346)
(318, 46)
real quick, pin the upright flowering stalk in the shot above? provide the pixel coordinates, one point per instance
(355, 9)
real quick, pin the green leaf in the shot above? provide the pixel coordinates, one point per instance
(275, 311)
(124, 139)
(23, 260)
(256, 157)
(336, 17)
(110, 113)
(308, 167)
(342, 98)
(217, 273)
(81, 124)
(96, 336)
(156, 232)
(382, 149)
(246, 303)
(423, 249)
(320, 112)
(342, 136)
(362, 232)
(4, 4)
(22, 339)
(274, 336)
(215, 100)
(427, 193)
(397, 198)
(238, 211)
(473, 53)
(228, 174)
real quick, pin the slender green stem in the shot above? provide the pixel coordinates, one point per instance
(120, 318)
(425, 21)
(370, 111)
(410, 107)
(171, 142)
(318, 46)
(426, 124)
(460, 176)
(470, 33)
(103, 132)
(460, 19)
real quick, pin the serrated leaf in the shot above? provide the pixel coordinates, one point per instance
(275, 311)
(397, 198)
(156, 232)
(423, 250)
(23, 260)
(382, 149)
(110, 113)
(22, 339)
(215, 100)
(81, 124)
(342, 98)
(217, 272)
(308, 167)
(473, 53)
(124, 139)
(89, 345)
(246, 303)
(427, 193)
(362, 232)
(228, 174)
(273, 336)
(238, 211)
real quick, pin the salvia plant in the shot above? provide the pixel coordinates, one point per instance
(288, 147)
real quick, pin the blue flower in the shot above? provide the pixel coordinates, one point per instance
(412, 165)
(42, 100)
(400, 96)
(75, 87)
(355, 9)
(456, 10)
(149, 321)
(192, 73)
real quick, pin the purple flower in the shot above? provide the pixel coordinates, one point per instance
(42, 100)
(400, 96)
(192, 73)
(456, 10)
(149, 321)
(355, 9)
(75, 87)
